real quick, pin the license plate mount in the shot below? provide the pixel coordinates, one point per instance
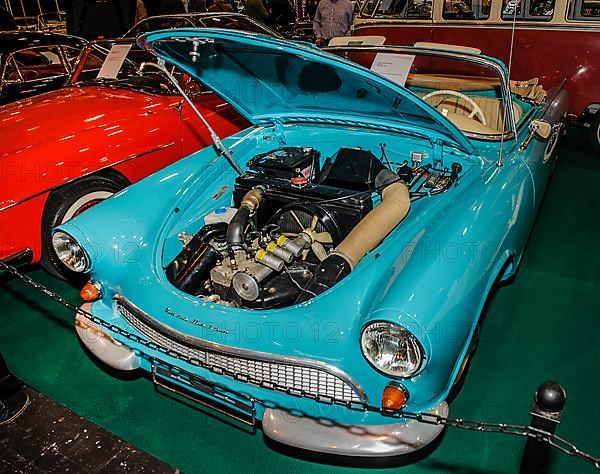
(216, 397)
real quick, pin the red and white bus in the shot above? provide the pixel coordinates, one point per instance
(553, 39)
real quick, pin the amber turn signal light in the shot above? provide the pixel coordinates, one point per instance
(90, 292)
(394, 397)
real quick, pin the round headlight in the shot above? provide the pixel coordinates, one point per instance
(391, 349)
(70, 253)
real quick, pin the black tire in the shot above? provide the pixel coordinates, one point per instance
(67, 202)
(594, 132)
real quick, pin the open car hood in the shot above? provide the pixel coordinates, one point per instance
(268, 79)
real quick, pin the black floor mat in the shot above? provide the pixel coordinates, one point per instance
(48, 437)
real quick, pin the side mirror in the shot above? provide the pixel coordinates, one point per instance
(538, 128)
(541, 128)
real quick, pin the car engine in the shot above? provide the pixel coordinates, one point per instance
(296, 229)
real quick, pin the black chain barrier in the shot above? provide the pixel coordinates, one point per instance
(530, 432)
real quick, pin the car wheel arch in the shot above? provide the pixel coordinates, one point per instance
(107, 173)
(507, 262)
(52, 205)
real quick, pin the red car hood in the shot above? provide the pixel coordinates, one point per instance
(63, 113)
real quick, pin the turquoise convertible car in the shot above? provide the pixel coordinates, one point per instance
(325, 268)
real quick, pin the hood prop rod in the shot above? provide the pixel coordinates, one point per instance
(215, 138)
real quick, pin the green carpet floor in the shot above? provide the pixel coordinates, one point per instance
(545, 325)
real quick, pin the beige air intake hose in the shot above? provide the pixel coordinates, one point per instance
(366, 235)
(376, 225)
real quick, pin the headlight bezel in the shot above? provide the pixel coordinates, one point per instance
(419, 345)
(69, 240)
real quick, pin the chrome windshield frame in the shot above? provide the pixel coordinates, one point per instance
(481, 60)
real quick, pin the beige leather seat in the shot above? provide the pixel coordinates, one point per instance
(491, 108)
(456, 107)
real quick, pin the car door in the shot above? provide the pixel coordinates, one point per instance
(538, 153)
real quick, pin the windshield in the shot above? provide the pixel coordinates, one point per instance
(464, 90)
(158, 23)
(228, 22)
(119, 64)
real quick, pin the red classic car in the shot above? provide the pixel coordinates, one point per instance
(116, 121)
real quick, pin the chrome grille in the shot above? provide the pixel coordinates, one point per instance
(295, 379)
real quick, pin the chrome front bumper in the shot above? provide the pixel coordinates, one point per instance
(308, 433)
(351, 440)
(111, 352)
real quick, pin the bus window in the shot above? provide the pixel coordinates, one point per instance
(584, 10)
(466, 9)
(590, 8)
(534, 10)
(541, 8)
(413, 9)
(508, 9)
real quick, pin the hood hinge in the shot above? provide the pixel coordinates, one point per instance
(437, 152)
(274, 130)
(279, 135)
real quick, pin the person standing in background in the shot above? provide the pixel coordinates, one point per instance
(220, 6)
(140, 11)
(333, 18)
(310, 8)
(256, 9)
(282, 13)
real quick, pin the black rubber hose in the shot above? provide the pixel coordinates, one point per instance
(183, 265)
(235, 229)
(384, 178)
(203, 260)
(210, 231)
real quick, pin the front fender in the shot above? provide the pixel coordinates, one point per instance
(437, 286)
(139, 214)
(136, 216)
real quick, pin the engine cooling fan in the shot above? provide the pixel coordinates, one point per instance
(314, 221)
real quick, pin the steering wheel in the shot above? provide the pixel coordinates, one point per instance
(29, 74)
(476, 110)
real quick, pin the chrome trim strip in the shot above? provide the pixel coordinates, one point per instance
(20, 259)
(147, 152)
(242, 353)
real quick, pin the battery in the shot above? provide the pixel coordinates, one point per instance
(287, 162)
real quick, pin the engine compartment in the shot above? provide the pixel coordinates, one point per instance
(296, 227)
